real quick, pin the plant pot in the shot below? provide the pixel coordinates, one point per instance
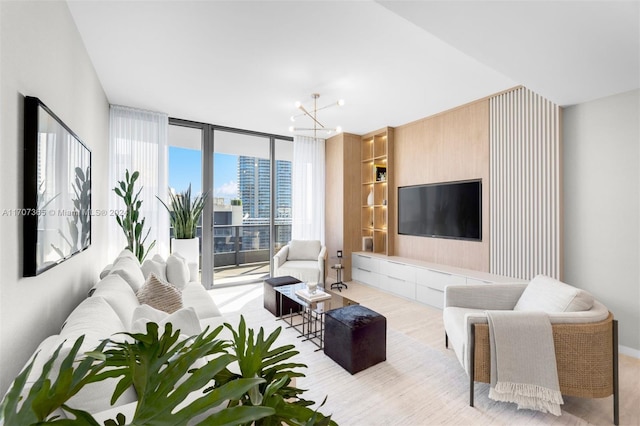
(236, 215)
(187, 248)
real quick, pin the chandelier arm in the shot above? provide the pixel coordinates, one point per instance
(311, 116)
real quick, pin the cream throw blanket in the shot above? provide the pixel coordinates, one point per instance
(523, 361)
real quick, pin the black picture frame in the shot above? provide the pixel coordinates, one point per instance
(57, 190)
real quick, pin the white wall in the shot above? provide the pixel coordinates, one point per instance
(42, 55)
(602, 206)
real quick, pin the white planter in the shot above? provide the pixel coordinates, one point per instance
(189, 249)
(236, 215)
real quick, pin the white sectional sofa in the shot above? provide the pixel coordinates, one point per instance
(113, 307)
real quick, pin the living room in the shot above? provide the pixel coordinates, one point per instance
(44, 55)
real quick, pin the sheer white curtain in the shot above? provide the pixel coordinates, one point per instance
(307, 181)
(138, 141)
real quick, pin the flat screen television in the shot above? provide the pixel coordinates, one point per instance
(441, 210)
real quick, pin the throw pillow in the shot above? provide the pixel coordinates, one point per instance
(153, 266)
(177, 271)
(184, 319)
(550, 295)
(160, 295)
(129, 269)
(304, 250)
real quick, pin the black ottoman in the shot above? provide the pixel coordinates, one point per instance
(355, 337)
(272, 299)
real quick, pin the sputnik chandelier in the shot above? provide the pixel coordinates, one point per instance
(313, 115)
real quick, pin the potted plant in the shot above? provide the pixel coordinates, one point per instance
(236, 212)
(173, 385)
(131, 223)
(184, 215)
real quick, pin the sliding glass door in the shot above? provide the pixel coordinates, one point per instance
(248, 214)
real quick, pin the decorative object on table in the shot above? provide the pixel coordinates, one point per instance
(355, 337)
(312, 287)
(311, 297)
(263, 390)
(370, 198)
(131, 222)
(184, 216)
(313, 115)
(57, 190)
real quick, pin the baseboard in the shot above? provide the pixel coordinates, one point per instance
(625, 350)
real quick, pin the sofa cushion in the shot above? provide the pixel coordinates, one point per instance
(119, 295)
(177, 271)
(158, 268)
(184, 319)
(160, 295)
(304, 270)
(195, 295)
(129, 269)
(106, 270)
(550, 295)
(304, 250)
(94, 317)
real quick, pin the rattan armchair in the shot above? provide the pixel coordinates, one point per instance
(586, 343)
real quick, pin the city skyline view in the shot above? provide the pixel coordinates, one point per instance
(243, 177)
(185, 167)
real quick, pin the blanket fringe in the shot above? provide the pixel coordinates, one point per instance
(528, 396)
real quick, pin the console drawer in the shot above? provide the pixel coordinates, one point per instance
(397, 286)
(438, 280)
(430, 296)
(366, 263)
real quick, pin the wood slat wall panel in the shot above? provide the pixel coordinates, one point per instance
(526, 210)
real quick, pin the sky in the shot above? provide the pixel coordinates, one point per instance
(185, 166)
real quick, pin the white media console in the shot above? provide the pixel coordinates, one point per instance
(416, 280)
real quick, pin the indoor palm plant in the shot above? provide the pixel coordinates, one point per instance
(184, 216)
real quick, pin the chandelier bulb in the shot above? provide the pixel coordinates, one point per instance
(291, 129)
(292, 118)
(339, 129)
(298, 104)
(340, 102)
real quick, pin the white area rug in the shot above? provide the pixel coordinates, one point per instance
(416, 385)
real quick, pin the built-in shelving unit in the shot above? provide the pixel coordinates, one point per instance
(376, 216)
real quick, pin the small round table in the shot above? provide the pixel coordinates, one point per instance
(338, 284)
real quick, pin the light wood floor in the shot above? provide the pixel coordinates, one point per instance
(424, 324)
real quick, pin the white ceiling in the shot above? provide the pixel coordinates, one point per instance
(244, 64)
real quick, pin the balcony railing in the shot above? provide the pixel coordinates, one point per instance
(244, 249)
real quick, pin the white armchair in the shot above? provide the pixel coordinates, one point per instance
(584, 333)
(301, 259)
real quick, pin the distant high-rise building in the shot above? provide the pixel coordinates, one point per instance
(253, 188)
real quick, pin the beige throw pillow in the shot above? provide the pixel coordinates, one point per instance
(160, 295)
(547, 294)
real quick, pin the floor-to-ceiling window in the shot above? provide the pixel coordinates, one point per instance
(248, 178)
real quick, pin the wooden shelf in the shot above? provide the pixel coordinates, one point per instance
(376, 173)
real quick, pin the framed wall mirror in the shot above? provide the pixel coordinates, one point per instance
(57, 190)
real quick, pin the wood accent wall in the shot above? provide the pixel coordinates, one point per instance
(450, 146)
(342, 200)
